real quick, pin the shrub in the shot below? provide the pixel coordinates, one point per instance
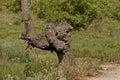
(108, 8)
(78, 13)
(14, 5)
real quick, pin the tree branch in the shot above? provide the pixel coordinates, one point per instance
(30, 28)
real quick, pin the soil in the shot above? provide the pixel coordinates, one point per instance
(109, 72)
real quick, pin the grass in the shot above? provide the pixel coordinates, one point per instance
(13, 55)
(101, 43)
(96, 45)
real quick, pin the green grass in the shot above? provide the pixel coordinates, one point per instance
(13, 55)
(92, 47)
(100, 40)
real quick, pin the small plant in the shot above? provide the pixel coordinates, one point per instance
(28, 69)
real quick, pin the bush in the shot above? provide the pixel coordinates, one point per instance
(108, 8)
(78, 13)
(14, 5)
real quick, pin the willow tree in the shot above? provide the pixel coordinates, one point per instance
(55, 38)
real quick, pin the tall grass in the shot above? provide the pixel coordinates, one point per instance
(100, 40)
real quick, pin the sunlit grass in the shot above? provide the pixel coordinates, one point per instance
(99, 41)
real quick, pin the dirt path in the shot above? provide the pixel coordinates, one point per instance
(113, 74)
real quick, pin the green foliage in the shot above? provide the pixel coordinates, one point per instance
(108, 8)
(28, 69)
(14, 5)
(78, 13)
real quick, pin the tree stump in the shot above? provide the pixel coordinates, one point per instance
(55, 38)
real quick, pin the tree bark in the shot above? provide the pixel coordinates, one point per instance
(54, 39)
(30, 28)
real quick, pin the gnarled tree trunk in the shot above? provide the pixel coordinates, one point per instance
(55, 38)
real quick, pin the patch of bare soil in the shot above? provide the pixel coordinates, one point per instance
(109, 72)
